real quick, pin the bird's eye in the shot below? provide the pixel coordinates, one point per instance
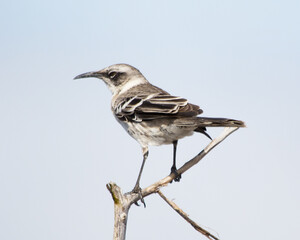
(112, 75)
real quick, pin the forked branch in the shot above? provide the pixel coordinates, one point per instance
(122, 202)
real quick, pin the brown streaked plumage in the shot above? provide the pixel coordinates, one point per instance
(151, 115)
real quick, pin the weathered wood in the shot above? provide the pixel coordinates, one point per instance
(121, 208)
(123, 202)
(186, 217)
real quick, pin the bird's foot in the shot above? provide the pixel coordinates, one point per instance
(177, 175)
(138, 190)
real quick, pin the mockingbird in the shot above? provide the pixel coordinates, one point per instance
(151, 115)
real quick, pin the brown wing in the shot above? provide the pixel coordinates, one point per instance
(155, 106)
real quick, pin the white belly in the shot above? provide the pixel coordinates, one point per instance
(149, 133)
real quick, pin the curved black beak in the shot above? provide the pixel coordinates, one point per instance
(97, 74)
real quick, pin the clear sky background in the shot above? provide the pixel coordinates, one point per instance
(60, 144)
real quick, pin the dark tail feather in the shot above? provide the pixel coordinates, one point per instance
(216, 122)
(219, 122)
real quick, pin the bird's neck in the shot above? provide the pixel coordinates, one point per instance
(126, 86)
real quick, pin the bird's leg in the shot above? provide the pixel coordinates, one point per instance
(137, 189)
(173, 168)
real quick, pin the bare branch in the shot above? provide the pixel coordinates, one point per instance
(122, 202)
(186, 217)
(165, 181)
(121, 208)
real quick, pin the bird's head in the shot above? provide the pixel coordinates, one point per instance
(118, 77)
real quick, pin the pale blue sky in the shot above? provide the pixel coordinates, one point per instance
(60, 145)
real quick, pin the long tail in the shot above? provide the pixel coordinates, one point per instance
(204, 122)
(219, 122)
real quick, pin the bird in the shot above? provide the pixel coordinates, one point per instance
(151, 115)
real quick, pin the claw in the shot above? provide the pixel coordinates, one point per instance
(177, 175)
(138, 190)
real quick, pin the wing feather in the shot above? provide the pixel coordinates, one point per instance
(154, 106)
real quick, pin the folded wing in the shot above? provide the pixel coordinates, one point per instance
(155, 106)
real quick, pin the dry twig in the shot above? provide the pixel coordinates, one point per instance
(123, 202)
(186, 217)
